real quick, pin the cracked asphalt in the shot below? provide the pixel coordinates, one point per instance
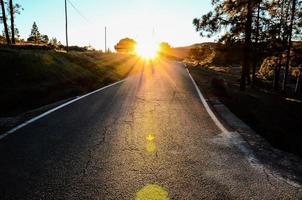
(149, 132)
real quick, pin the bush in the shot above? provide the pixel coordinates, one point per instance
(267, 68)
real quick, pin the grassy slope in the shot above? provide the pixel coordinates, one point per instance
(32, 78)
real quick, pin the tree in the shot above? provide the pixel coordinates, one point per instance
(165, 48)
(54, 42)
(285, 18)
(271, 24)
(247, 46)
(35, 35)
(13, 9)
(89, 48)
(17, 33)
(256, 48)
(44, 39)
(126, 45)
(289, 45)
(281, 19)
(5, 22)
(236, 17)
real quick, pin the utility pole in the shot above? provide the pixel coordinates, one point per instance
(105, 39)
(66, 26)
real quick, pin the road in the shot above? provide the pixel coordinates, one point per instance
(147, 136)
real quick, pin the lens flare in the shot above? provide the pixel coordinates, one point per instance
(147, 51)
(152, 192)
(150, 146)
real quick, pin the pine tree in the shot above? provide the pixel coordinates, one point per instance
(13, 9)
(256, 23)
(12, 20)
(256, 42)
(4, 22)
(35, 35)
(289, 44)
(247, 46)
(236, 17)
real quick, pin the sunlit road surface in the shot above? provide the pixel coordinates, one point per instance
(146, 138)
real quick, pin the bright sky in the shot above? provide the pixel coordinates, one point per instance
(142, 20)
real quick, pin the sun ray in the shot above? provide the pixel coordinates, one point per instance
(147, 51)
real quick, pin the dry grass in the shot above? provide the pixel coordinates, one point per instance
(32, 78)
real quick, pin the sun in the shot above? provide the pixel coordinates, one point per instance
(147, 51)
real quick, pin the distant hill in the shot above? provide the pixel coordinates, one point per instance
(218, 53)
(183, 52)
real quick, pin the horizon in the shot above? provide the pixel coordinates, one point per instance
(87, 21)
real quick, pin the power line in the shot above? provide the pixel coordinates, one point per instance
(78, 11)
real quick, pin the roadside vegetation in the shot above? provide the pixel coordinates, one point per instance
(36, 72)
(255, 66)
(263, 29)
(269, 113)
(32, 78)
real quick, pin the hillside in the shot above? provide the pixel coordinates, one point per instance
(32, 78)
(210, 52)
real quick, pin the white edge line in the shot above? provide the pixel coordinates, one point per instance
(207, 107)
(250, 155)
(54, 109)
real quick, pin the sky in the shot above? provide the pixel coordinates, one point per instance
(146, 21)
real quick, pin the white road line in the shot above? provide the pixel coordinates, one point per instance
(54, 109)
(207, 107)
(238, 141)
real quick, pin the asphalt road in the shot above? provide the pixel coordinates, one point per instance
(149, 136)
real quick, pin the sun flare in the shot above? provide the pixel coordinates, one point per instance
(147, 51)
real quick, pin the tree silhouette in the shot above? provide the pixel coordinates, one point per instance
(17, 33)
(54, 42)
(126, 45)
(270, 24)
(5, 22)
(35, 35)
(12, 20)
(13, 9)
(236, 17)
(289, 45)
(44, 39)
(165, 48)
